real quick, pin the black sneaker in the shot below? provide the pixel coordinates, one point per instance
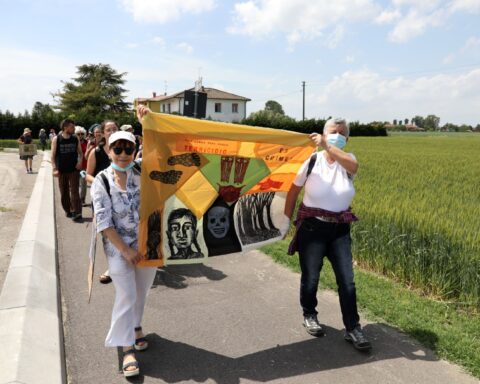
(358, 339)
(312, 326)
(70, 214)
(77, 217)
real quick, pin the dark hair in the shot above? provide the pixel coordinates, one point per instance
(66, 122)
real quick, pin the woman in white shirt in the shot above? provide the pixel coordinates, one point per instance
(323, 227)
(116, 200)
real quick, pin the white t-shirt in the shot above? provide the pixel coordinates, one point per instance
(328, 186)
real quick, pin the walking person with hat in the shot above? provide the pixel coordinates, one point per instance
(115, 195)
(26, 138)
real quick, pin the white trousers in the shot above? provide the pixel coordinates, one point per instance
(131, 288)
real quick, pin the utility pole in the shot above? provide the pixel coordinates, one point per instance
(303, 86)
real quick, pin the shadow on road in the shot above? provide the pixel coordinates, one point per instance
(175, 362)
(176, 276)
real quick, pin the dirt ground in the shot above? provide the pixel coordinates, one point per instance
(15, 189)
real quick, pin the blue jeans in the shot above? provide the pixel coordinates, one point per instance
(317, 239)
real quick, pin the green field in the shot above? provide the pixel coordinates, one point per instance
(418, 198)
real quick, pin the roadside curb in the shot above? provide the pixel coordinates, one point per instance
(30, 317)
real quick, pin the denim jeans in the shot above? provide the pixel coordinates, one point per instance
(317, 239)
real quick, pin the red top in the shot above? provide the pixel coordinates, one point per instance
(83, 144)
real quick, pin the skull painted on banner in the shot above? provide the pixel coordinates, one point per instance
(218, 221)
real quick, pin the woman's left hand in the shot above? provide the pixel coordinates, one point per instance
(318, 139)
(132, 256)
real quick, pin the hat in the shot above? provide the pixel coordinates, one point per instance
(121, 135)
(27, 130)
(93, 126)
(126, 127)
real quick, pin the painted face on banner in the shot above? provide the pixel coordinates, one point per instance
(182, 232)
(218, 222)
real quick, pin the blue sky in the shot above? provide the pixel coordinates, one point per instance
(365, 60)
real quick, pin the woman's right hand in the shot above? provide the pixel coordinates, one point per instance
(142, 110)
(132, 256)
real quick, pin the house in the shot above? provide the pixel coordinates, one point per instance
(221, 105)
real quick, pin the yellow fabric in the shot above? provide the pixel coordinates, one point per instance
(261, 160)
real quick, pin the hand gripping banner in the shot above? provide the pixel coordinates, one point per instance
(211, 188)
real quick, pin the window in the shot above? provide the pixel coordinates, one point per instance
(218, 107)
(169, 108)
(234, 108)
(163, 108)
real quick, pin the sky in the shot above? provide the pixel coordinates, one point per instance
(365, 60)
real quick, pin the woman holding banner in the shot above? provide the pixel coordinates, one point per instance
(116, 199)
(323, 227)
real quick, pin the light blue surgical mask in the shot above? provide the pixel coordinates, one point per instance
(120, 169)
(337, 140)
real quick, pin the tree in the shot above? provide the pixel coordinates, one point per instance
(274, 106)
(394, 121)
(432, 122)
(406, 121)
(419, 121)
(94, 95)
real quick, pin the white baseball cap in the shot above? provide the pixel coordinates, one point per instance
(126, 127)
(121, 135)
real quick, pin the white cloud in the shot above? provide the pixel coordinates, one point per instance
(472, 43)
(28, 76)
(387, 17)
(300, 19)
(350, 59)
(470, 6)
(422, 15)
(366, 96)
(185, 47)
(157, 40)
(132, 45)
(163, 11)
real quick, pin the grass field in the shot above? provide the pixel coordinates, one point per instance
(418, 199)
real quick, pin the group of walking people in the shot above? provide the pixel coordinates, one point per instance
(322, 224)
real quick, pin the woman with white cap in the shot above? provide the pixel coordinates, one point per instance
(26, 138)
(116, 199)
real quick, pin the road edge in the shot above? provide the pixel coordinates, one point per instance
(31, 330)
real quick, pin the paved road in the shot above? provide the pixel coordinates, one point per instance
(15, 189)
(235, 320)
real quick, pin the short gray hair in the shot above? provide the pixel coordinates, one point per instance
(338, 121)
(79, 129)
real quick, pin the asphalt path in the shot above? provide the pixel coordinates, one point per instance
(233, 320)
(15, 189)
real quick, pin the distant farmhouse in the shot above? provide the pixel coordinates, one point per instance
(220, 105)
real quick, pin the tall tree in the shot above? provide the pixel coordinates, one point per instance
(274, 106)
(432, 122)
(94, 95)
(419, 121)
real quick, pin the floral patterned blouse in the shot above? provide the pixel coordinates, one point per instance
(121, 210)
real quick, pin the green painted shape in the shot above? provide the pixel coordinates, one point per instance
(256, 171)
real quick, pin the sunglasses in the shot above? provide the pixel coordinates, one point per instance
(119, 150)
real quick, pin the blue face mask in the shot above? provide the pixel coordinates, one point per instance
(120, 169)
(337, 140)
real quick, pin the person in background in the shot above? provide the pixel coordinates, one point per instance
(67, 162)
(42, 136)
(98, 160)
(80, 132)
(26, 138)
(129, 128)
(117, 218)
(95, 135)
(51, 135)
(323, 228)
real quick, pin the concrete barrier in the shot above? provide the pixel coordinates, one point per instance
(31, 332)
